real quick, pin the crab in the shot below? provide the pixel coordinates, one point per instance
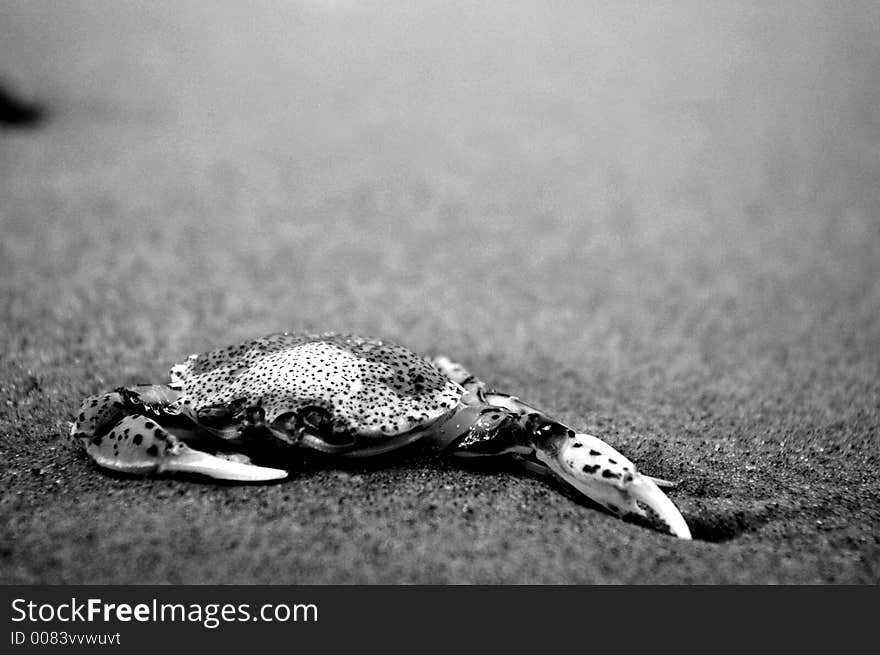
(242, 413)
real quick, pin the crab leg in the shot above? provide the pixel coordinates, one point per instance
(498, 423)
(582, 461)
(135, 443)
(596, 469)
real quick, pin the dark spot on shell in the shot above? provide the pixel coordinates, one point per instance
(153, 451)
(577, 445)
(594, 453)
(607, 473)
(149, 425)
(590, 469)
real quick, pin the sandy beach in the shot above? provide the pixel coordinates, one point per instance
(662, 225)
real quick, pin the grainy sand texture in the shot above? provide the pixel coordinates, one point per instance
(660, 223)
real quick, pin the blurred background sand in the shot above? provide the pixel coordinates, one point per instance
(660, 222)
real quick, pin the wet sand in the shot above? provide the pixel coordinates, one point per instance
(659, 225)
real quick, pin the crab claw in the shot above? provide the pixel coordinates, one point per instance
(608, 478)
(190, 460)
(137, 444)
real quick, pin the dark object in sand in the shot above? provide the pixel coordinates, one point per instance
(15, 112)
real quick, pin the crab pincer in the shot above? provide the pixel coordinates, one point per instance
(121, 431)
(609, 479)
(581, 461)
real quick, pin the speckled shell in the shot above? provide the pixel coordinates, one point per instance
(372, 388)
